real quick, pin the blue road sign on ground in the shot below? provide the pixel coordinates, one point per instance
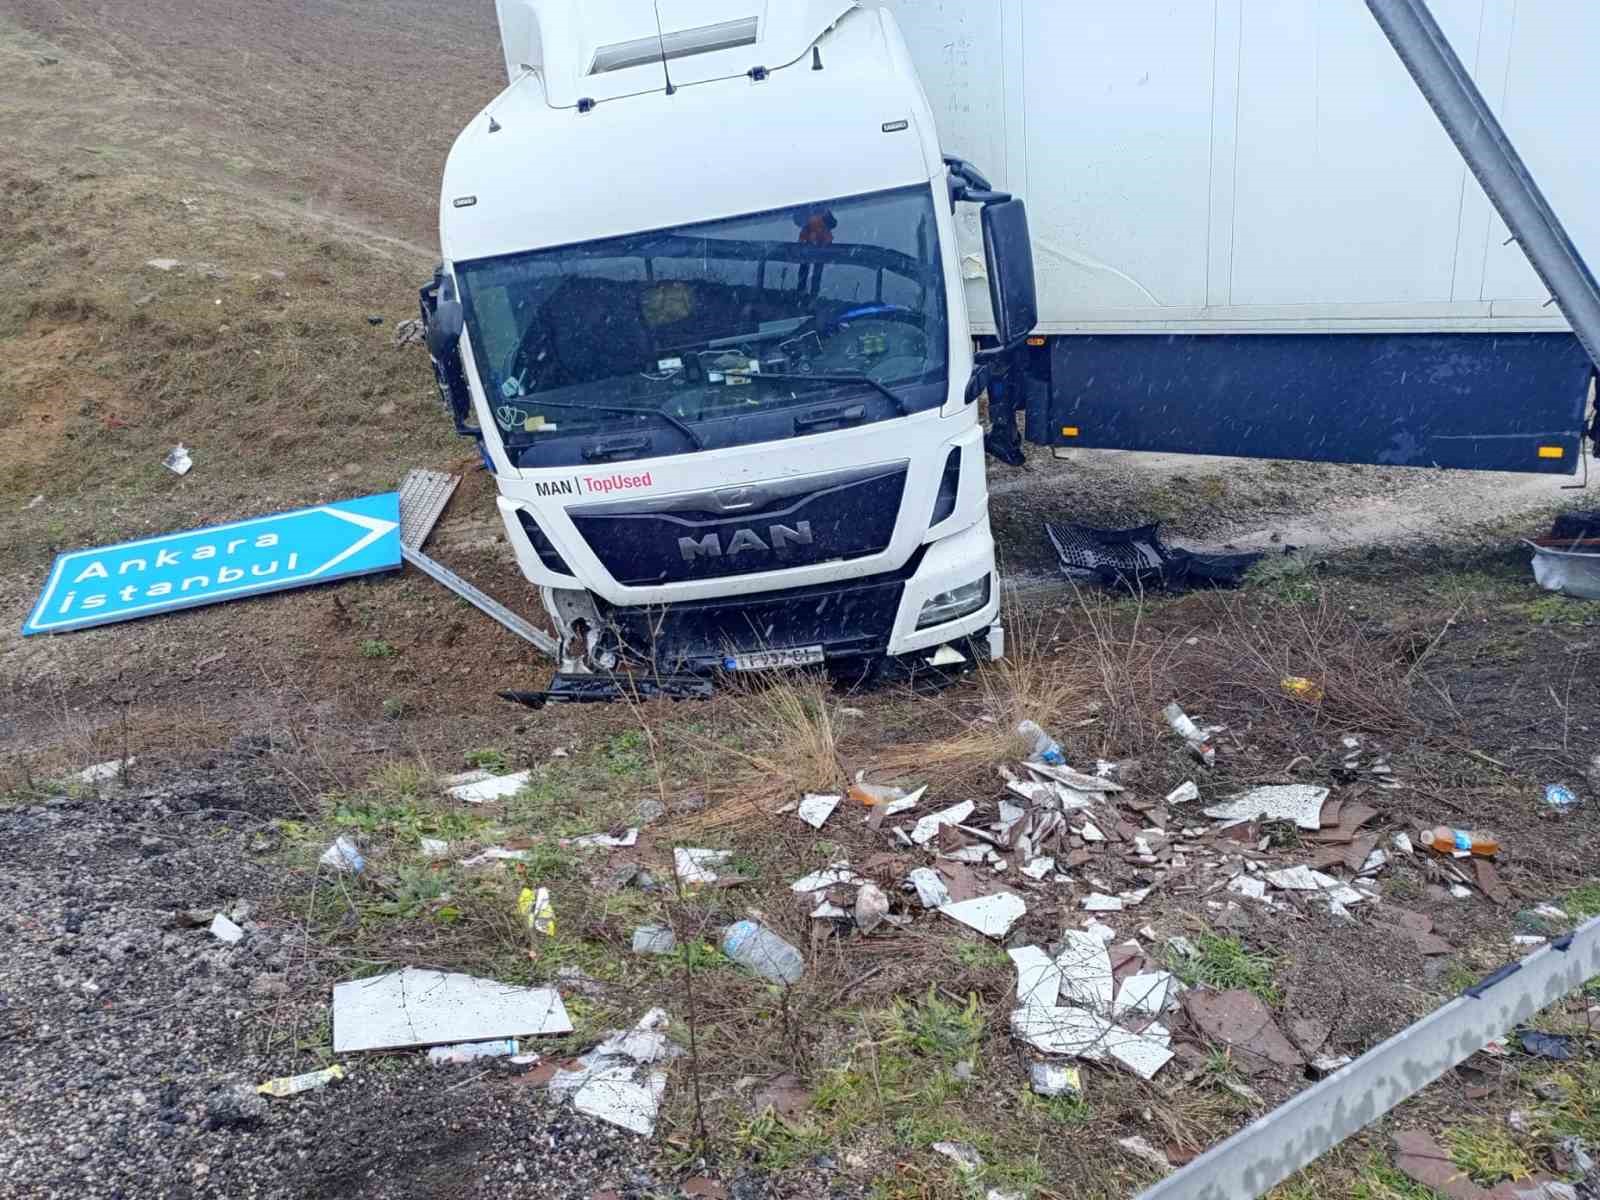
(224, 562)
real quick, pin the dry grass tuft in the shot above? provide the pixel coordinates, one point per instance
(783, 743)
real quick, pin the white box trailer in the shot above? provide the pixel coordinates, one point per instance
(1244, 177)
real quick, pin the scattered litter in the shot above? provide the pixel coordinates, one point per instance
(834, 874)
(1038, 977)
(1039, 868)
(1460, 891)
(694, 865)
(1328, 1064)
(904, 803)
(1186, 791)
(292, 1085)
(612, 1082)
(829, 911)
(1041, 746)
(872, 906)
(1556, 1046)
(493, 854)
(1402, 843)
(1573, 573)
(101, 772)
(225, 930)
(992, 916)
(628, 838)
(1183, 946)
(964, 1155)
(178, 461)
(537, 911)
(343, 855)
(931, 891)
(494, 787)
(1146, 1153)
(1374, 862)
(1240, 1021)
(1055, 1079)
(1146, 992)
(1551, 913)
(1098, 929)
(654, 939)
(815, 809)
(1297, 802)
(1138, 560)
(1075, 780)
(1528, 939)
(1459, 843)
(1559, 797)
(433, 847)
(1302, 688)
(1192, 734)
(946, 656)
(164, 264)
(1100, 902)
(755, 947)
(415, 1007)
(925, 829)
(1091, 832)
(1304, 879)
(464, 1052)
(1248, 886)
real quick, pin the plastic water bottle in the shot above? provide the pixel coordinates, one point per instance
(1045, 748)
(752, 945)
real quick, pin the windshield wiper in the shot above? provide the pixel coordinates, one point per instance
(833, 377)
(661, 413)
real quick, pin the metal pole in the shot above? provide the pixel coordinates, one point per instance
(1460, 107)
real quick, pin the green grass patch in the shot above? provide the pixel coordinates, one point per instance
(627, 754)
(406, 820)
(487, 758)
(935, 1027)
(1225, 963)
(1488, 1153)
(1380, 1180)
(1583, 902)
(377, 648)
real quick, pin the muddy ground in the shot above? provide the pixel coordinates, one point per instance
(284, 156)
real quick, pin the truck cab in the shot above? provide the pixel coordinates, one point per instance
(701, 307)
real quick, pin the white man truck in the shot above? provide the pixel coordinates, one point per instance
(717, 303)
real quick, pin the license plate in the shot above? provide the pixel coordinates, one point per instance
(767, 660)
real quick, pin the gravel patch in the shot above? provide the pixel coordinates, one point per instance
(134, 1038)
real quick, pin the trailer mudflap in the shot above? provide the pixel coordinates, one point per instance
(568, 688)
(1486, 401)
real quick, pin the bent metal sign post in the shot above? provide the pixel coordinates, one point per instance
(223, 562)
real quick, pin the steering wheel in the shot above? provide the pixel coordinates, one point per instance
(881, 312)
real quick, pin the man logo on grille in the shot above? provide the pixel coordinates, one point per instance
(779, 537)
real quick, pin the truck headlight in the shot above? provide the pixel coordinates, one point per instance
(957, 602)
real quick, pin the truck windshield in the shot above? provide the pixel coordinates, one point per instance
(743, 330)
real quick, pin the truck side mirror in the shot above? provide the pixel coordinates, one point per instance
(1009, 254)
(444, 328)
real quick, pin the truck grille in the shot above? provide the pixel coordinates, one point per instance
(745, 529)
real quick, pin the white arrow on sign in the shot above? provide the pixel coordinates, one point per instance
(376, 527)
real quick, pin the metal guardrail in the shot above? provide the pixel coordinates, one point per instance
(1268, 1151)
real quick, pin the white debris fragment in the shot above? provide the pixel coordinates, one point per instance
(1527, 939)
(1034, 791)
(1085, 968)
(414, 1007)
(693, 865)
(493, 787)
(905, 803)
(1091, 832)
(1147, 992)
(1327, 1064)
(491, 854)
(1100, 930)
(814, 810)
(872, 906)
(970, 854)
(922, 833)
(1183, 946)
(1375, 861)
(433, 847)
(833, 874)
(1402, 843)
(1133, 897)
(178, 460)
(1100, 902)
(1039, 868)
(654, 939)
(1248, 886)
(1551, 912)
(931, 891)
(1186, 791)
(1298, 802)
(828, 910)
(1144, 1151)
(101, 772)
(613, 1096)
(1304, 879)
(964, 1155)
(1073, 779)
(1038, 977)
(225, 930)
(465, 1052)
(946, 656)
(628, 838)
(1460, 892)
(993, 916)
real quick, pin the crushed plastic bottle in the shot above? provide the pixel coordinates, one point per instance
(1459, 843)
(344, 855)
(1045, 748)
(752, 945)
(1560, 797)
